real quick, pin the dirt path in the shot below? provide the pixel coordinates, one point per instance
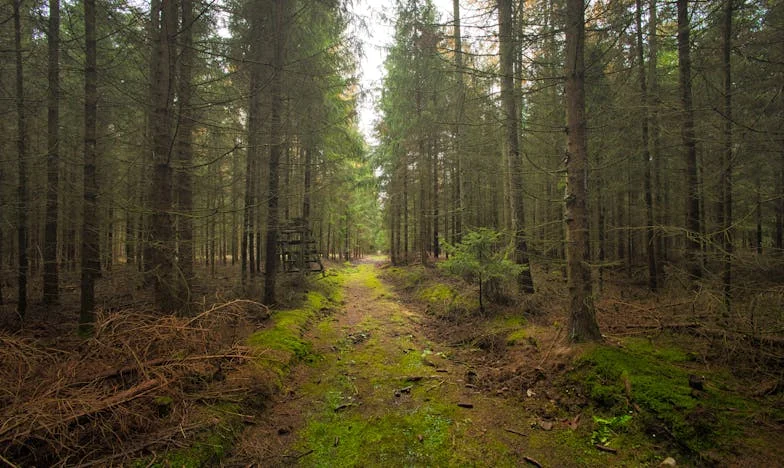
(379, 393)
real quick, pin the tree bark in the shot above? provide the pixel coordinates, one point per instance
(693, 244)
(422, 164)
(51, 293)
(758, 212)
(276, 148)
(247, 252)
(404, 168)
(436, 215)
(656, 154)
(21, 147)
(307, 182)
(650, 244)
(582, 317)
(780, 204)
(457, 132)
(2, 219)
(90, 227)
(514, 159)
(727, 163)
(162, 235)
(185, 156)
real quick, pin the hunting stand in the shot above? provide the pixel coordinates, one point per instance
(297, 248)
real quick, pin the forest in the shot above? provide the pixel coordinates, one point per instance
(551, 233)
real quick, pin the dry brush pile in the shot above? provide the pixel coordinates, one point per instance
(137, 383)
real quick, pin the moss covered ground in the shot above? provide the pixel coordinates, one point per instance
(378, 382)
(382, 393)
(281, 345)
(633, 395)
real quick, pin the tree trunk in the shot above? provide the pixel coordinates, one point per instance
(457, 138)
(514, 159)
(650, 244)
(247, 253)
(758, 212)
(90, 227)
(422, 164)
(436, 217)
(21, 145)
(727, 163)
(693, 244)
(780, 204)
(162, 238)
(234, 221)
(185, 156)
(582, 318)
(2, 220)
(307, 184)
(276, 147)
(656, 154)
(51, 293)
(405, 207)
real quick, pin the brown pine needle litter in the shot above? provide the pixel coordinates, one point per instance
(125, 390)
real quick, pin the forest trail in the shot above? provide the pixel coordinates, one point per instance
(380, 393)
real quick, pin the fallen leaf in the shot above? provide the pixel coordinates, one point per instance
(574, 422)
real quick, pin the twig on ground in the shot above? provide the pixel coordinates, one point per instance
(532, 461)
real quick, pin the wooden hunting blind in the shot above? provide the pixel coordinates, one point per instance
(298, 249)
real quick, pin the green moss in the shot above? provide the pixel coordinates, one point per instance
(409, 364)
(205, 452)
(366, 275)
(391, 439)
(654, 379)
(666, 353)
(438, 293)
(408, 278)
(284, 337)
(208, 447)
(517, 336)
(163, 401)
(286, 333)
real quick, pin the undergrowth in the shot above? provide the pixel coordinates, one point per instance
(280, 346)
(652, 383)
(635, 398)
(443, 297)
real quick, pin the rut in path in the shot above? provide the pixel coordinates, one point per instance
(379, 393)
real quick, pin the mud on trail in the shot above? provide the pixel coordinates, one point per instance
(378, 392)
